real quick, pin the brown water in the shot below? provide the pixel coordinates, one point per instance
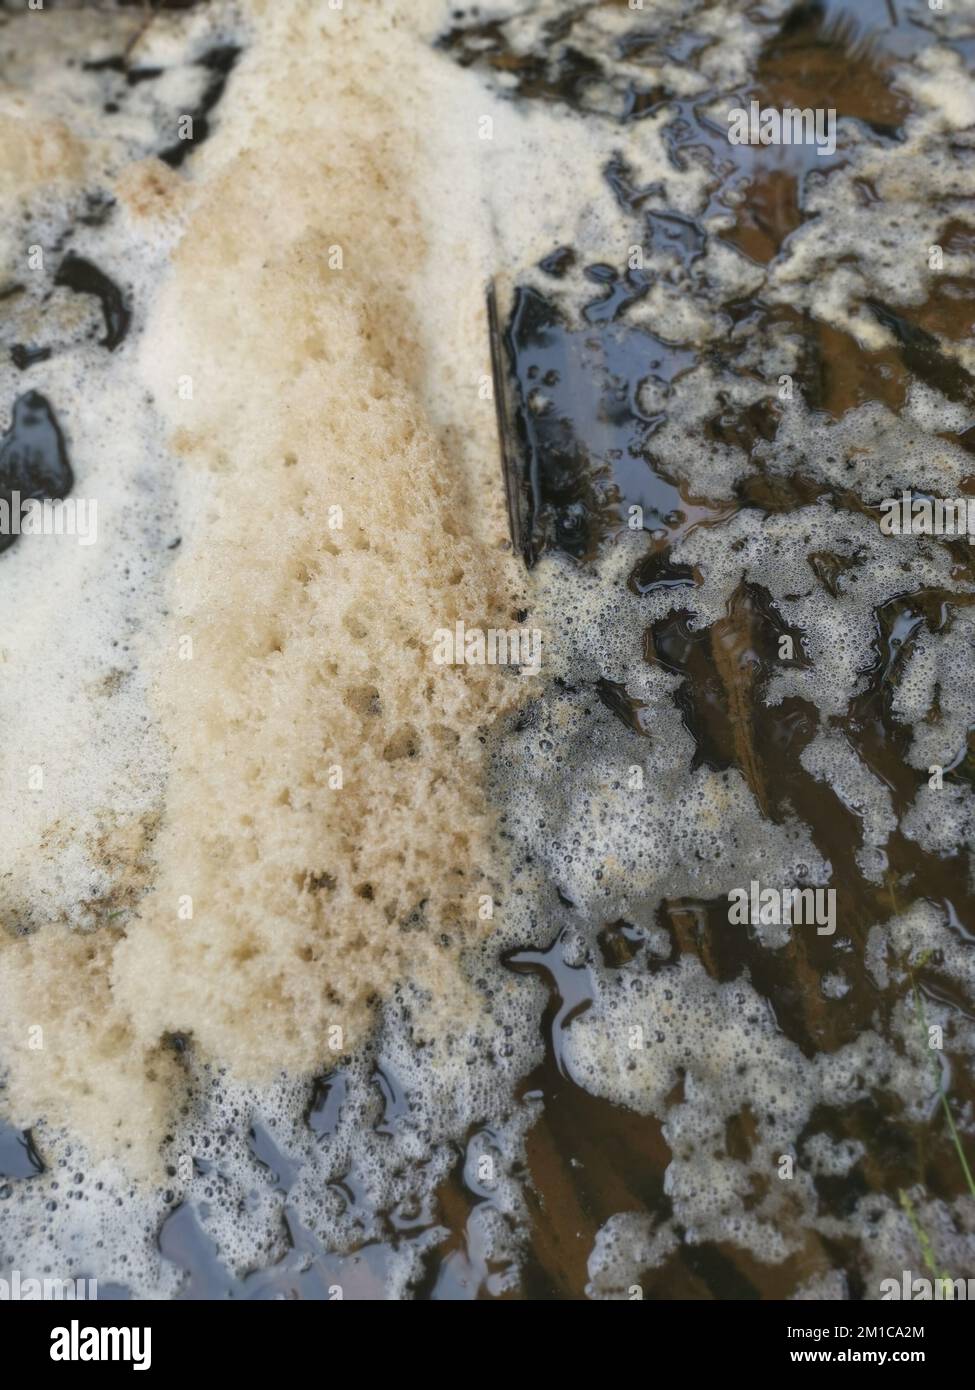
(572, 470)
(588, 458)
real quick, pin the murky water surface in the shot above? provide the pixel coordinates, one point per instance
(587, 385)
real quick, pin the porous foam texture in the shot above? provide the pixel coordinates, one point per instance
(323, 834)
(314, 906)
